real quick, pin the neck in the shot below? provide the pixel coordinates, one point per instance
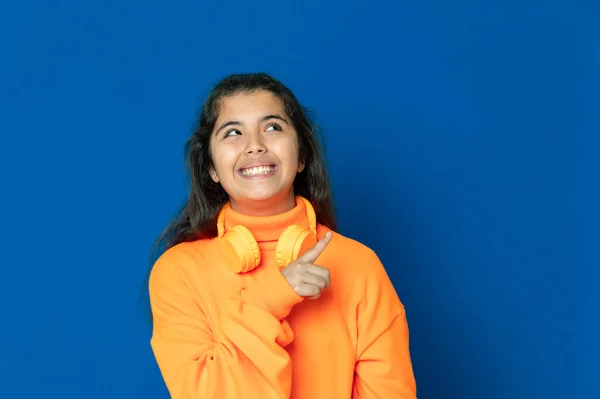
(268, 229)
(266, 207)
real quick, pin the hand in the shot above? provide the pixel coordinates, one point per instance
(306, 278)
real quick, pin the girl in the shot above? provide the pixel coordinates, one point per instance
(256, 295)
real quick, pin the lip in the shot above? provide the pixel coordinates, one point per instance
(256, 164)
(259, 176)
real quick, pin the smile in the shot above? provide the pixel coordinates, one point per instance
(258, 170)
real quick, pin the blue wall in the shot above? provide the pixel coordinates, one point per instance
(463, 140)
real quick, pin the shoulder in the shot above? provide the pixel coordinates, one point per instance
(357, 258)
(181, 261)
(360, 272)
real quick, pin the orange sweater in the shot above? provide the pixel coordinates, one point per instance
(218, 334)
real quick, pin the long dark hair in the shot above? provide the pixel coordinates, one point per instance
(196, 218)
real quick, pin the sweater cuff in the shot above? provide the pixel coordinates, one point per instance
(274, 294)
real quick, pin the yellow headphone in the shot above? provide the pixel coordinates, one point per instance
(239, 247)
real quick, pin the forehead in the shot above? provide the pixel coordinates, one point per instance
(250, 106)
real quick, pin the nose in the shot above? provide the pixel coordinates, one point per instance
(255, 145)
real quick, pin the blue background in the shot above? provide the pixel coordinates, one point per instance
(463, 141)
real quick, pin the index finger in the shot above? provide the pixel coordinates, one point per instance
(313, 253)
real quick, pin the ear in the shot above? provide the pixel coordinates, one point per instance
(301, 163)
(213, 174)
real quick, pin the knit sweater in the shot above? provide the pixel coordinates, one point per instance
(219, 334)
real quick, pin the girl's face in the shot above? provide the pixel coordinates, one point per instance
(254, 148)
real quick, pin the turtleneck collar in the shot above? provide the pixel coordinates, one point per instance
(267, 228)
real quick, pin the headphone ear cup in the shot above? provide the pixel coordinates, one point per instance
(240, 249)
(293, 242)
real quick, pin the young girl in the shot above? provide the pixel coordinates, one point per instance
(256, 295)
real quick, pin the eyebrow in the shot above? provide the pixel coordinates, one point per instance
(263, 119)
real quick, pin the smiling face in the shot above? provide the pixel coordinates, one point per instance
(255, 152)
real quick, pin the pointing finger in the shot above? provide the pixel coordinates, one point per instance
(312, 254)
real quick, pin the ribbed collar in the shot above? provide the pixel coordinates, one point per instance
(267, 228)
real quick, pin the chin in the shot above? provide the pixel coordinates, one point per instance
(265, 195)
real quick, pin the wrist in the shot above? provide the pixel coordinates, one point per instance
(273, 293)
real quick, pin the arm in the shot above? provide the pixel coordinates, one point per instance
(246, 359)
(383, 368)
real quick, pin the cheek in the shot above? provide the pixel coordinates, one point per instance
(295, 156)
(288, 152)
(217, 161)
(225, 159)
(220, 158)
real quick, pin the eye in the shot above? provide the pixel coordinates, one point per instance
(232, 132)
(274, 126)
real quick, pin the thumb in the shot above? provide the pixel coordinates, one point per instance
(313, 253)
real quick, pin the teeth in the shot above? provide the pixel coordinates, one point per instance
(259, 170)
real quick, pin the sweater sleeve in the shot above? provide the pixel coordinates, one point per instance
(383, 368)
(242, 357)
